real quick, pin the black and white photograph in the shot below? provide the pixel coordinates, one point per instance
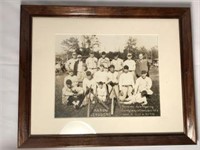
(106, 76)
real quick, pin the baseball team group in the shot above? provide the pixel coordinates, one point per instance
(104, 80)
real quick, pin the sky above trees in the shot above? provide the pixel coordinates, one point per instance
(107, 43)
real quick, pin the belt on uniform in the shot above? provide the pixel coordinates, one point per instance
(118, 70)
(92, 68)
(126, 85)
(131, 70)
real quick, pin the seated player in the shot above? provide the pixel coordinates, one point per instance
(138, 98)
(101, 92)
(72, 95)
(143, 83)
(126, 84)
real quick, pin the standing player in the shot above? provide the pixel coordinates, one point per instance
(126, 84)
(104, 60)
(118, 63)
(141, 64)
(69, 65)
(131, 64)
(91, 63)
(79, 68)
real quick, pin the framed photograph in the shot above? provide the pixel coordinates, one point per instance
(105, 76)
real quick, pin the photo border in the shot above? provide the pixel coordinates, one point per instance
(25, 139)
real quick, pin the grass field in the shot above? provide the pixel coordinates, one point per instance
(151, 109)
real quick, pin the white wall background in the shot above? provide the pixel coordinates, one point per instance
(9, 63)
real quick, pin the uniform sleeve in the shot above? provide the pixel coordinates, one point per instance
(124, 63)
(111, 62)
(99, 62)
(109, 77)
(120, 82)
(149, 83)
(84, 85)
(136, 85)
(121, 63)
(132, 81)
(134, 65)
(68, 64)
(96, 62)
(108, 62)
(86, 62)
(64, 82)
(75, 80)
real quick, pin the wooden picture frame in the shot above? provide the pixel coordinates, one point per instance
(25, 139)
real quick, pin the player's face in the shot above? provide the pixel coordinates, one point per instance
(116, 57)
(126, 70)
(144, 75)
(101, 68)
(129, 56)
(69, 85)
(100, 86)
(91, 55)
(89, 77)
(103, 56)
(140, 56)
(112, 69)
(74, 56)
(71, 73)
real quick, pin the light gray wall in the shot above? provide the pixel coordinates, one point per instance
(9, 56)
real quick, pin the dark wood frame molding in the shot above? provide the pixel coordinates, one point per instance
(25, 139)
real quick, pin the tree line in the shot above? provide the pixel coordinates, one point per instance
(89, 43)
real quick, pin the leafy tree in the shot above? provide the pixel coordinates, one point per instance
(130, 47)
(89, 43)
(70, 45)
(154, 52)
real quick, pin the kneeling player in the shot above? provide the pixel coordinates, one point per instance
(72, 95)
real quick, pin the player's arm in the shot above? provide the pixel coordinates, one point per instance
(134, 65)
(136, 87)
(149, 83)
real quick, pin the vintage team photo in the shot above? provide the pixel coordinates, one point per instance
(106, 76)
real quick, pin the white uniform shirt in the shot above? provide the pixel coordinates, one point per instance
(89, 84)
(80, 66)
(91, 62)
(143, 84)
(101, 92)
(126, 79)
(113, 77)
(70, 64)
(105, 61)
(101, 76)
(74, 80)
(118, 63)
(130, 63)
